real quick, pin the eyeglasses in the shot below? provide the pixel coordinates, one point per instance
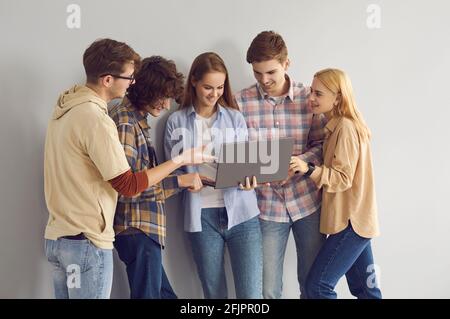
(130, 78)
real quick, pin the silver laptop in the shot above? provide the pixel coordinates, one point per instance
(268, 160)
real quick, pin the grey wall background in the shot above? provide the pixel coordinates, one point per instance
(399, 73)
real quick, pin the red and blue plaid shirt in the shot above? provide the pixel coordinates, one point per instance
(144, 211)
(290, 116)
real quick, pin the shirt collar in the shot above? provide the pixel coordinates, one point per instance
(289, 94)
(332, 124)
(141, 116)
(191, 110)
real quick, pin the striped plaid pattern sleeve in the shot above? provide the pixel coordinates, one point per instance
(133, 147)
(170, 186)
(316, 137)
(144, 211)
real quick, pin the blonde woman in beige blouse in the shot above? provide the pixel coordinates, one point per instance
(349, 212)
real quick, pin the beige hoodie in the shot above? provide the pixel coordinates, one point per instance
(82, 153)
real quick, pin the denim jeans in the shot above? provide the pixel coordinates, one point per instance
(146, 275)
(80, 269)
(345, 253)
(308, 241)
(245, 249)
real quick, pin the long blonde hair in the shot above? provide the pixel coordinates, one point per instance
(339, 83)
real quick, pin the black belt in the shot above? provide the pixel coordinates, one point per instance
(75, 237)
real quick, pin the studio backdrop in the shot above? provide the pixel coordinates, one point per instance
(396, 53)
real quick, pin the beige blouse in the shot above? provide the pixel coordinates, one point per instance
(347, 180)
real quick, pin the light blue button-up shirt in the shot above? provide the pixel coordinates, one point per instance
(181, 134)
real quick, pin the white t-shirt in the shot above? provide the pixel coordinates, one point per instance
(210, 197)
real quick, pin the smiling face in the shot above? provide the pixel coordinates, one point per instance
(321, 99)
(209, 89)
(160, 105)
(271, 75)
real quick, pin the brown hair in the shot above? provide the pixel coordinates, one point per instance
(207, 63)
(106, 56)
(267, 45)
(156, 79)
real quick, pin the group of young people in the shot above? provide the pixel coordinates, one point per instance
(105, 188)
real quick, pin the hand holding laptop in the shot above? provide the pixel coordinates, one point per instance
(267, 160)
(209, 182)
(296, 166)
(248, 187)
(191, 181)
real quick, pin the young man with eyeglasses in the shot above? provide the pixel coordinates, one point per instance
(84, 168)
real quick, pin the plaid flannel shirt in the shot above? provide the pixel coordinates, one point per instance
(292, 117)
(144, 211)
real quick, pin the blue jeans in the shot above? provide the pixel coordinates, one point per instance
(80, 269)
(345, 253)
(146, 275)
(245, 249)
(308, 241)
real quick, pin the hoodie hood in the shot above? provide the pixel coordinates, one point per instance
(75, 96)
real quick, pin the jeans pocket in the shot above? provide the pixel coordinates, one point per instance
(49, 249)
(52, 252)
